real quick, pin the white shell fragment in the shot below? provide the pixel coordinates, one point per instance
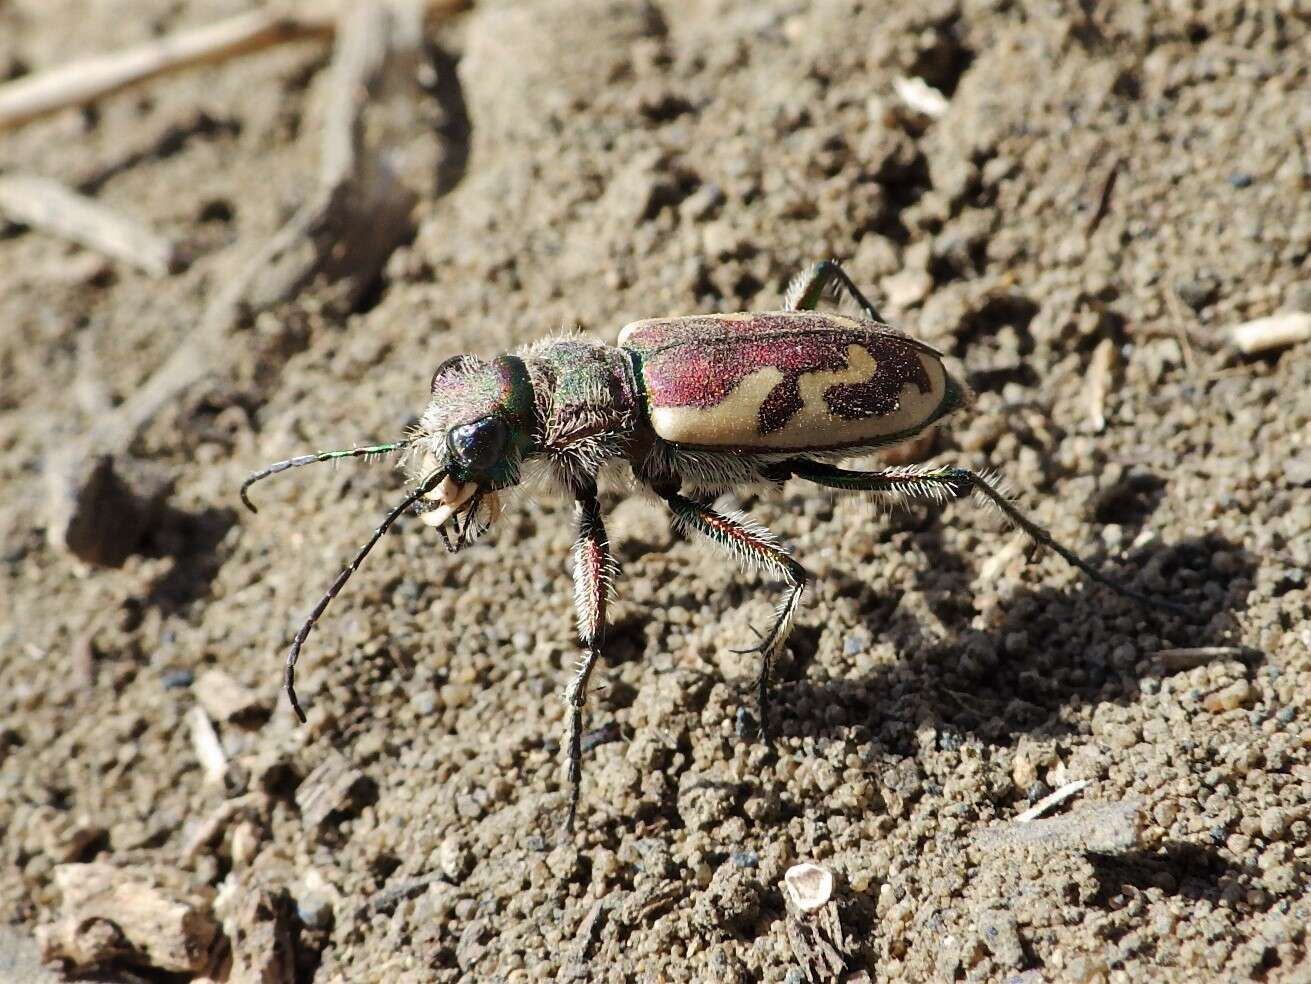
(809, 885)
(1275, 332)
(921, 97)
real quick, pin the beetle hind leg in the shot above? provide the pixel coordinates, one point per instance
(756, 546)
(949, 483)
(807, 287)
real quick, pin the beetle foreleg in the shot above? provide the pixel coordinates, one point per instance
(807, 287)
(753, 545)
(594, 568)
(949, 482)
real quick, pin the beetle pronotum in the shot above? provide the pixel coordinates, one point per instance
(693, 406)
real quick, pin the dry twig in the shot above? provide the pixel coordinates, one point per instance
(45, 204)
(85, 81)
(1050, 800)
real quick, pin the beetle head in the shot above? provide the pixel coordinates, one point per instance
(477, 428)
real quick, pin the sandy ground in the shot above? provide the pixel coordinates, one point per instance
(1130, 173)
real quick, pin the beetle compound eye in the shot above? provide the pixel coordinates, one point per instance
(478, 445)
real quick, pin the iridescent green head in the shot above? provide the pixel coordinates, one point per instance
(479, 424)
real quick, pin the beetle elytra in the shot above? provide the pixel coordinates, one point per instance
(692, 406)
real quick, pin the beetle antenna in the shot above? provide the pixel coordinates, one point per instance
(289, 678)
(309, 459)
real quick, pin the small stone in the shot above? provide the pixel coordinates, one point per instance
(1165, 812)
(1297, 470)
(745, 859)
(1000, 935)
(314, 911)
(454, 859)
(1023, 773)
(177, 679)
(1197, 292)
(809, 885)
(1240, 179)
(1238, 694)
(703, 202)
(227, 700)
(907, 288)
(731, 900)
(1274, 822)
(425, 702)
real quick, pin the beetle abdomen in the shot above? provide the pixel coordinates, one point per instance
(786, 381)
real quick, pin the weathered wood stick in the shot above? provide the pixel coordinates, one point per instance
(85, 81)
(340, 238)
(45, 204)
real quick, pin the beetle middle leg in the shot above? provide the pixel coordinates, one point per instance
(807, 287)
(949, 483)
(752, 545)
(593, 570)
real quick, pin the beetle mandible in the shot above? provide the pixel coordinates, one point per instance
(693, 406)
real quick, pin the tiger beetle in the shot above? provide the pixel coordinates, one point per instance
(694, 406)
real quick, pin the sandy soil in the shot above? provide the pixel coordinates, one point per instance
(603, 160)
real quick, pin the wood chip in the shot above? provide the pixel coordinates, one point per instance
(387, 900)
(227, 700)
(110, 914)
(819, 944)
(334, 789)
(45, 204)
(1275, 332)
(1003, 558)
(262, 949)
(1051, 800)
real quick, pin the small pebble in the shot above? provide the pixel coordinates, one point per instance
(314, 911)
(177, 679)
(744, 723)
(1237, 694)
(1274, 822)
(745, 859)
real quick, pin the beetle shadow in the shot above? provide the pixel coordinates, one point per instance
(1194, 872)
(1043, 653)
(194, 541)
